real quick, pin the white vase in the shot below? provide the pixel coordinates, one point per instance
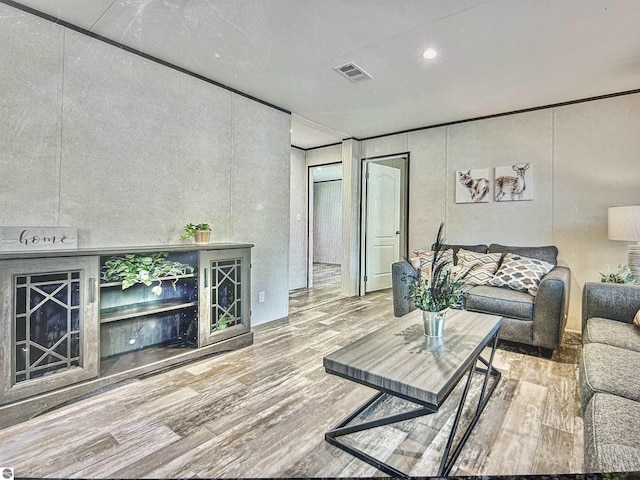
(433, 322)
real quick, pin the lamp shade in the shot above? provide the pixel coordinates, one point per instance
(624, 223)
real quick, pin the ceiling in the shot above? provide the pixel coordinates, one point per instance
(494, 56)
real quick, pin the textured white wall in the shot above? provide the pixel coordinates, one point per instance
(30, 122)
(324, 156)
(382, 146)
(145, 149)
(351, 191)
(497, 142)
(597, 165)
(260, 201)
(298, 218)
(427, 185)
(129, 151)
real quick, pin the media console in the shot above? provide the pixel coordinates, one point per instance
(66, 331)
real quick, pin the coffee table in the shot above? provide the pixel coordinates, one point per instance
(399, 360)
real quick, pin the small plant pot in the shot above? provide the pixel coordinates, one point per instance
(202, 236)
(433, 323)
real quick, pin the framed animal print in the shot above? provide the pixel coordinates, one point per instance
(472, 186)
(513, 183)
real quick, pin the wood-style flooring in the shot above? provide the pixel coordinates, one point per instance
(262, 411)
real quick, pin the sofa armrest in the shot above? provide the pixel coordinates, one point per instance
(610, 300)
(551, 308)
(399, 272)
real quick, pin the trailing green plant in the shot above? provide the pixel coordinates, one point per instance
(190, 229)
(441, 288)
(146, 269)
(623, 275)
(223, 322)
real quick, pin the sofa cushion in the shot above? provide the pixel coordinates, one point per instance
(425, 257)
(479, 267)
(521, 273)
(547, 254)
(611, 440)
(612, 332)
(415, 262)
(608, 369)
(500, 301)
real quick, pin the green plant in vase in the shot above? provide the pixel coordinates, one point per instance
(146, 269)
(437, 289)
(623, 275)
(201, 232)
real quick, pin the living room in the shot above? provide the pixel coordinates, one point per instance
(128, 149)
(573, 185)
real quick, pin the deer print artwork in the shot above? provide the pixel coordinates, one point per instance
(509, 187)
(472, 186)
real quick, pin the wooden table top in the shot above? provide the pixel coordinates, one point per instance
(399, 359)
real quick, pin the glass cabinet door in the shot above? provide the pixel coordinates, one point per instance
(225, 295)
(49, 324)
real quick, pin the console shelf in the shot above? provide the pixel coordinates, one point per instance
(114, 314)
(164, 279)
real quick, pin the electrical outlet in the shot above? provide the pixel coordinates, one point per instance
(261, 297)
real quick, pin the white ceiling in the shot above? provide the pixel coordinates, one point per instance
(495, 56)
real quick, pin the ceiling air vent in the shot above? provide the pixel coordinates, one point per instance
(352, 72)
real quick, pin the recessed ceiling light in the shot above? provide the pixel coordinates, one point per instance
(429, 54)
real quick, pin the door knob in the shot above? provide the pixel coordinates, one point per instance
(397, 232)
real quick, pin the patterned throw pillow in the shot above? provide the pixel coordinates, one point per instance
(426, 259)
(636, 319)
(481, 266)
(521, 273)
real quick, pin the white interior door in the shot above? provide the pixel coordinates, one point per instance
(382, 236)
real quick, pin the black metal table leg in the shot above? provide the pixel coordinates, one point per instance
(447, 463)
(343, 428)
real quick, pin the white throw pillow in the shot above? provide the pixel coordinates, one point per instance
(415, 262)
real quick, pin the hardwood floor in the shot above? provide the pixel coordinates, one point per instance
(326, 288)
(262, 412)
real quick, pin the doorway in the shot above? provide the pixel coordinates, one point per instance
(325, 228)
(385, 204)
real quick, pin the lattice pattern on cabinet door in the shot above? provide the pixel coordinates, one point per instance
(226, 294)
(47, 320)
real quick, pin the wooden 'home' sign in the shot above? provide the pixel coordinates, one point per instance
(24, 239)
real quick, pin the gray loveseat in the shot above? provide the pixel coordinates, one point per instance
(609, 374)
(537, 321)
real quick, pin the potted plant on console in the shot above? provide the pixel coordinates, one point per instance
(147, 268)
(200, 232)
(435, 287)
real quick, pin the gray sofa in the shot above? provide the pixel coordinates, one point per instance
(609, 377)
(537, 321)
